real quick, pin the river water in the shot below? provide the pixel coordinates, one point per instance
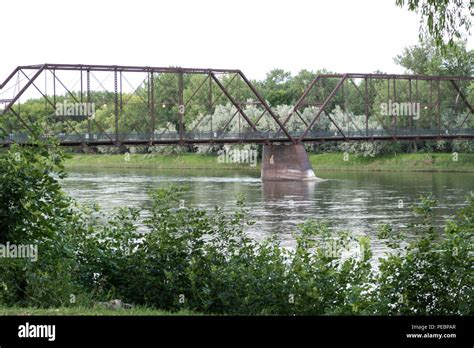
(353, 201)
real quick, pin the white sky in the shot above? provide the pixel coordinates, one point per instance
(252, 35)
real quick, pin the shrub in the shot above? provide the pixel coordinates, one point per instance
(433, 275)
(34, 211)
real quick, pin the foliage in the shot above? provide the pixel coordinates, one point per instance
(34, 211)
(29, 194)
(442, 20)
(465, 146)
(363, 148)
(427, 59)
(434, 275)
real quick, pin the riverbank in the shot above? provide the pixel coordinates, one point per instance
(157, 161)
(413, 162)
(430, 162)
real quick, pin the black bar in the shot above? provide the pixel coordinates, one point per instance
(289, 330)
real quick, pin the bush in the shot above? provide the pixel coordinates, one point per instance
(463, 146)
(34, 211)
(432, 276)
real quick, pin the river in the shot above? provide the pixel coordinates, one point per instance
(353, 201)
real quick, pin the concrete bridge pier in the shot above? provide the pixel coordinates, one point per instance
(286, 162)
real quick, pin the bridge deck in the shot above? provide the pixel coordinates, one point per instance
(173, 138)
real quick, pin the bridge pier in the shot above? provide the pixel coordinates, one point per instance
(286, 162)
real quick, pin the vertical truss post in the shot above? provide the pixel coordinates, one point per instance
(181, 110)
(82, 88)
(116, 109)
(54, 87)
(431, 100)
(121, 93)
(410, 119)
(209, 101)
(438, 105)
(343, 98)
(417, 93)
(46, 91)
(388, 90)
(366, 107)
(122, 114)
(344, 115)
(395, 120)
(151, 103)
(388, 98)
(82, 96)
(239, 102)
(88, 97)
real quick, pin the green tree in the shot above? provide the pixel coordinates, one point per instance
(276, 87)
(443, 20)
(427, 58)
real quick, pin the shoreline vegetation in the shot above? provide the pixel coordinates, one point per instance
(416, 162)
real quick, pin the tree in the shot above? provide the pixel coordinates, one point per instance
(443, 20)
(276, 87)
(427, 58)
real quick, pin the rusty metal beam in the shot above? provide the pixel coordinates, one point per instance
(232, 100)
(20, 93)
(130, 68)
(9, 78)
(302, 98)
(159, 141)
(325, 103)
(265, 105)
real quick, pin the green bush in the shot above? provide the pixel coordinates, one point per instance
(432, 276)
(34, 211)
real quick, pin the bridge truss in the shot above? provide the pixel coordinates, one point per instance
(131, 105)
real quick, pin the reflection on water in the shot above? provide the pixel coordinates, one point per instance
(297, 190)
(355, 201)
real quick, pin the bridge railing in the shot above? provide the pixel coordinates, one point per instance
(174, 137)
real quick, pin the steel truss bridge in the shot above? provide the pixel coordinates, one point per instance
(178, 106)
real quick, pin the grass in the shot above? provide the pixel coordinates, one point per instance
(328, 161)
(91, 311)
(428, 162)
(183, 161)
